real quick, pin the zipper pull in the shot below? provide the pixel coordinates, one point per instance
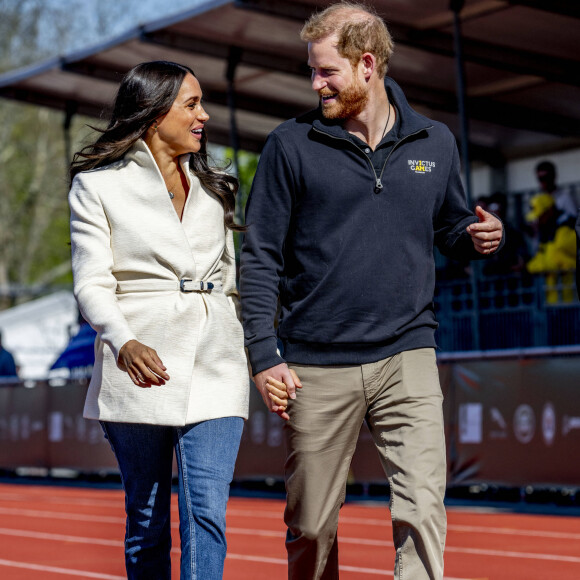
(378, 185)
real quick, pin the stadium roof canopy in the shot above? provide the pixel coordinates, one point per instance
(522, 67)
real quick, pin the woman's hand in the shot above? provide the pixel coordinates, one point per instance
(142, 364)
(278, 393)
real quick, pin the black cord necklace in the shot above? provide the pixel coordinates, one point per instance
(386, 124)
(378, 182)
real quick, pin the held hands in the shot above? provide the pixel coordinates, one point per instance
(142, 364)
(277, 385)
(487, 233)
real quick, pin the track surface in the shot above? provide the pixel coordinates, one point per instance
(59, 533)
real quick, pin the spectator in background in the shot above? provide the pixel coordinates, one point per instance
(578, 255)
(514, 254)
(7, 364)
(546, 175)
(557, 247)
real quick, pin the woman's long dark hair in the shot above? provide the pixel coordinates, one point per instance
(146, 93)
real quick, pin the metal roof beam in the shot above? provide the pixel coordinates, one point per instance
(212, 94)
(562, 7)
(253, 104)
(498, 57)
(252, 57)
(518, 117)
(294, 10)
(219, 136)
(561, 70)
(480, 109)
(553, 69)
(91, 68)
(498, 113)
(56, 102)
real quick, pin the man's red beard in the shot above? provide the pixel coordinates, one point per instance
(349, 103)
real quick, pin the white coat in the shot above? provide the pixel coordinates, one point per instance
(129, 253)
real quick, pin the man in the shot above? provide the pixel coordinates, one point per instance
(344, 210)
(577, 229)
(7, 364)
(557, 250)
(546, 175)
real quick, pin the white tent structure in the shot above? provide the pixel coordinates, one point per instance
(38, 331)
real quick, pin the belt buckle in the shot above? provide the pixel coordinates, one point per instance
(182, 284)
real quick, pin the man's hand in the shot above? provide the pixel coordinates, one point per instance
(487, 233)
(287, 382)
(142, 363)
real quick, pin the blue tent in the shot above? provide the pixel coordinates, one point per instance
(79, 353)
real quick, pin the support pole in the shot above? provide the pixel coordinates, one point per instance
(456, 7)
(70, 112)
(234, 57)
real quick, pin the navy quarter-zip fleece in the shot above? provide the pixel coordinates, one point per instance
(351, 262)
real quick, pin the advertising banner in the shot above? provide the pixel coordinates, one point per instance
(517, 422)
(75, 442)
(512, 422)
(23, 426)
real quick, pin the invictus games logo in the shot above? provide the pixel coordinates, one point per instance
(418, 166)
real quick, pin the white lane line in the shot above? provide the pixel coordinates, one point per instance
(258, 559)
(372, 571)
(61, 516)
(58, 570)
(60, 537)
(508, 554)
(282, 562)
(274, 534)
(513, 532)
(4, 496)
(357, 569)
(256, 514)
(63, 500)
(263, 559)
(451, 527)
(386, 544)
(261, 533)
(282, 535)
(475, 551)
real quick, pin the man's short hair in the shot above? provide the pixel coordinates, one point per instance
(546, 166)
(359, 29)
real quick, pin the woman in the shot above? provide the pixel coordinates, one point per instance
(154, 274)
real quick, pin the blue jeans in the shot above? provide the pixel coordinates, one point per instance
(206, 454)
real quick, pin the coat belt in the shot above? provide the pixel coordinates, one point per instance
(185, 285)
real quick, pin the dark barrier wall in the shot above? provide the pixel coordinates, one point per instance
(511, 422)
(23, 418)
(516, 422)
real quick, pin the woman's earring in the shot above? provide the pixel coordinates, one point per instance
(155, 127)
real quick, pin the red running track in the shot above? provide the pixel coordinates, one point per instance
(59, 533)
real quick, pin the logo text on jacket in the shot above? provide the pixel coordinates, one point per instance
(418, 166)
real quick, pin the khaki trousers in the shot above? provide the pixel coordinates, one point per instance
(400, 398)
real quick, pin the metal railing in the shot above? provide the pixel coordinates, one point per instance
(516, 311)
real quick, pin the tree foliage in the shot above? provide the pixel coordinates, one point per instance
(34, 231)
(247, 163)
(34, 215)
